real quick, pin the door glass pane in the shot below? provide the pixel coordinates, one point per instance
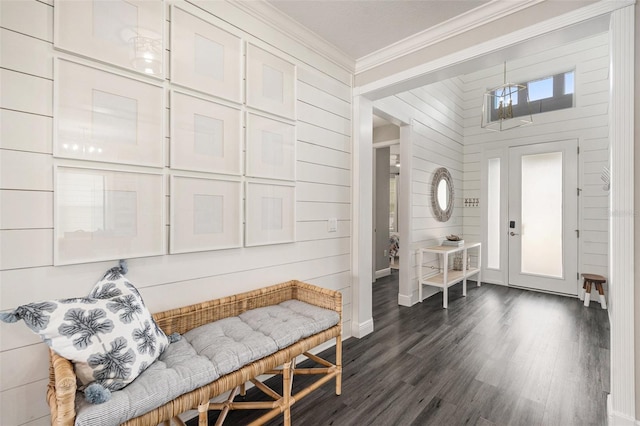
(541, 228)
(493, 213)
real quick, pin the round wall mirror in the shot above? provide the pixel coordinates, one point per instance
(442, 194)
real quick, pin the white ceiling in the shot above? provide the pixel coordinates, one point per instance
(361, 27)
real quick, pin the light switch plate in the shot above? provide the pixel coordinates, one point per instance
(332, 225)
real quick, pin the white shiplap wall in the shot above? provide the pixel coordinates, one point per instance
(587, 123)
(436, 140)
(323, 191)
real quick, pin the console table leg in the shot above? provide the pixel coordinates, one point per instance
(445, 296)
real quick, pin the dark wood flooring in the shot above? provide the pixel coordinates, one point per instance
(500, 356)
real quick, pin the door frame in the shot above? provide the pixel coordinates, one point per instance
(563, 146)
(379, 273)
(492, 275)
(501, 276)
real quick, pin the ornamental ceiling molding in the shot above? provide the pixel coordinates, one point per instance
(403, 80)
(278, 21)
(474, 18)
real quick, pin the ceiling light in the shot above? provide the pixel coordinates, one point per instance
(506, 106)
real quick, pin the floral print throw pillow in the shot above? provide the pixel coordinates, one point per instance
(110, 336)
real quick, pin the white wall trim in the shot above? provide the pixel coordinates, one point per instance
(386, 144)
(405, 300)
(621, 231)
(492, 275)
(405, 219)
(363, 328)
(404, 80)
(616, 419)
(481, 15)
(383, 273)
(272, 16)
(609, 407)
(362, 216)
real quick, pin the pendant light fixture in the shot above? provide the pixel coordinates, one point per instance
(506, 106)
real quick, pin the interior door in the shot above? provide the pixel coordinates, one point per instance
(543, 217)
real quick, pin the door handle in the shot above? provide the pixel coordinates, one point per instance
(513, 233)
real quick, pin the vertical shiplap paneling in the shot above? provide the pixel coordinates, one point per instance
(323, 191)
(587, 122)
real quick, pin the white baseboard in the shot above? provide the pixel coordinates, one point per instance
(409, 300)
(363, 329)
(609, 411)
(618, 419)
(405, 300)
(383, 273)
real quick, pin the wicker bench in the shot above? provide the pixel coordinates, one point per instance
(61, 393)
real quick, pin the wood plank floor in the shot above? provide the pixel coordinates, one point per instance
(500, 356)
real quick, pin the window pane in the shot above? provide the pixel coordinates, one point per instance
(544, 94)
(569, 83)
(540, 89)
(541, 228)
(493, 214)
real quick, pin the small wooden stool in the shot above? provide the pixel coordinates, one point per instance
(597, 280)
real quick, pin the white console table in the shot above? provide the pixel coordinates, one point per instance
(446, 277)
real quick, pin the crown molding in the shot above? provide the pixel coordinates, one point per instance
(481, 15)
(402, 80)
(272, 16)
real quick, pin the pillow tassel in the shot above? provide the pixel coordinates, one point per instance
(57, 323)
(95, 393)
(9, 317)
(124, 268)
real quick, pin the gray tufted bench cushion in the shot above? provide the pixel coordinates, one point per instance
(207, 353)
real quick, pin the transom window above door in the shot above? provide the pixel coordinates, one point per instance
(545, 94)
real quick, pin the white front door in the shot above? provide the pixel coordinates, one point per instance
(543, 217)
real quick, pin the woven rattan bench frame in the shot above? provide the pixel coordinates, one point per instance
(61, 390)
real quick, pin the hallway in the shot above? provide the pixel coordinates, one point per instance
(500, 356)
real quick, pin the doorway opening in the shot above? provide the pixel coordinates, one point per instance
(531, 216)
(386, 171)
(543, 217)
